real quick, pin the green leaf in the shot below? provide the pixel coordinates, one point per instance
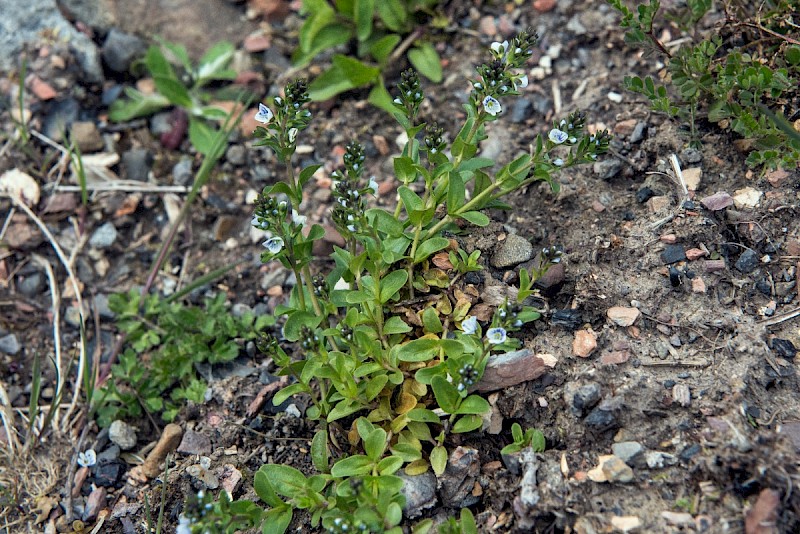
(357, 72)
(446, 394)
(212, 66)
(287, 392)
(406, 451)
(179, 51)
(380, 97)
(307, 173)
(391, 284)
(516, 433)
(352, 466)
(431, 321)
(438, 459)
(284, 479)
(327, 38)
(423, 415)
(456, 192)
(418, 350)
(390, 465)
(343, 409)
(538, 442)
(406, 172)
(277, 520)
(202, 136)
(296, 321)
(474, 404)
(426, 60)
(475, 217)
(362, 15)
(138, 105)
(395, 325)
(468, 525)
(393, 14)
(319, 451)
(375, 443)
(467, 423)
(383, 47)
(329, 84)
(432, 245)
(385, 222)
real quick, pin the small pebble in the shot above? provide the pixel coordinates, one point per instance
(584, 343)
(182, 172)
(607, 168)
(104, 236)
(623, 315)
(717, 201)
(615, 97)
(122, 434)
(747, 262)
(644, 194)
(9, 344)
(673, 254)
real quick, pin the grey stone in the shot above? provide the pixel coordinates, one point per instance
(137, 163)
(638, 132)
(521, 110)
(514, 250)
(60, 117)
(616, 470)
(273, 59)
(161, 123)
(99, 14)
(101, 302)
(492, 147)
(194, 443)
(575, 26)
(236, 155)
(9, 344)
(86, 135)
(691, 155)
(607, 168)
(73, 317)
(239, 309)
(543, 106)
(182, 173)
(627, 451)
(122, 434)
(419, 491)
(747, 262)
(104, 236)
(584, 398)
(31, 284)
(109, 454)
(659, 460)
(120, 49)
(23, 24)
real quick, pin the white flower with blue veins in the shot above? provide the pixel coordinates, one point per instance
(557, 136)
(496, 335)
(521, 82)
(274, 244)
(299, 220)
(373, 185)
(87, 458)
(492, 105)
(558, 162)
(470, 325)
(499, 48)
(292, 134)
(264, 114)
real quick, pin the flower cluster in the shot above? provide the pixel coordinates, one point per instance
(319, 285)
(468, 375)
(269, 216)
(568, 132)
(411, 95)
(499, 77)
(342, 525)
(434, 139)
(282, 124)
(348, 212)
(309, 340)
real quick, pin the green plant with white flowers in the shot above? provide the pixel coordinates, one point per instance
(390, 372)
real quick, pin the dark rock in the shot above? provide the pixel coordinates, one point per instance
(419, 491)
(137, 162)
(109, 474)
(521, 110)
(194, 443)
(585, 397)
(94, 503)
(607, 168)
(60, 117)
(31, 284)
(601, 420)
(764, 286)
(747, 262)
(110, 454)
(689, 452)
(120, 49)
(458, 479)
(673, 254)
(644, 194)
(784, 348)
(473, 278)
(570, 319)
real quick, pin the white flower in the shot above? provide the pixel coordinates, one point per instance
(492, 105)
(184, 525)
(298, 219)
(274, 244)
(558, 162)
(373, 185)
(292, 135)
(499, 48)
(398, 101)
(495, 336)
(469, 325)
(522, 83)
(87, 458)
(557, 136)
(264, 114)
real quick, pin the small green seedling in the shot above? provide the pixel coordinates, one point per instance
(532, 438)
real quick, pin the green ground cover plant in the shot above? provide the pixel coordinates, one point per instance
(379, 32)
(396, 380)
(743, 76)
